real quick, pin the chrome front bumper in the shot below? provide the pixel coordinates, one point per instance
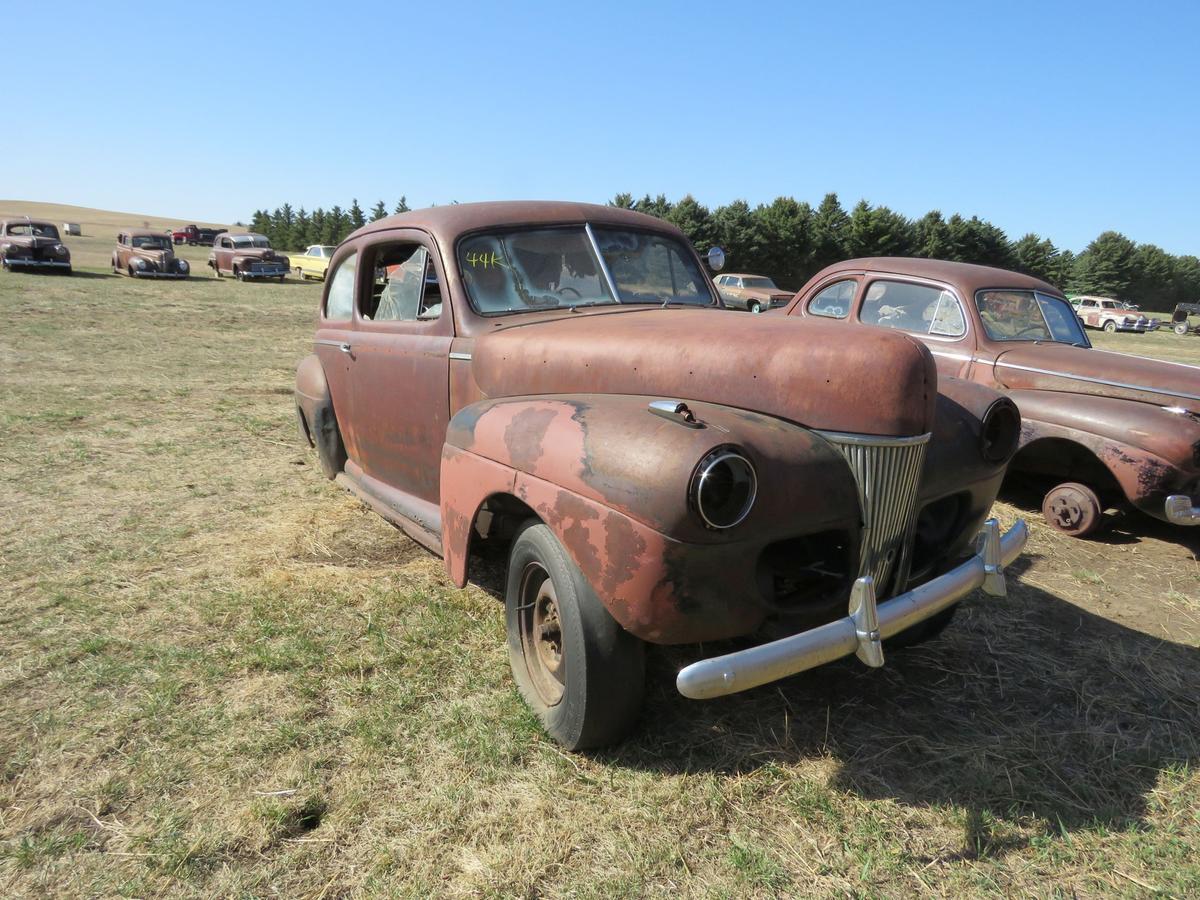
(265, 273)
(37, 263)
(161, 274)
(1180, 511)
(862, 631)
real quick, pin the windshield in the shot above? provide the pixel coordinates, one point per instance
(1028, 316)
(547, 268)
(251, 240)
(151, 242)
(759, 281)
(37, 229)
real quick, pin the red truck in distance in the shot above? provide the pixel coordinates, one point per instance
(193, 235)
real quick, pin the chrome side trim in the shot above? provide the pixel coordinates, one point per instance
(861, 631)
(959, 356)
(1090, 380)
(456, 354)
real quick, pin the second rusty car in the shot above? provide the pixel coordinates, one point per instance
(247, 257)
(144, 253)
(1099, 429)
(558, 381)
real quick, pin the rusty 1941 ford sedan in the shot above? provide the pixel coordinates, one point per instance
(246, 256)
(143, 253)
(558, 380)
(1098, 428)
(32, 244)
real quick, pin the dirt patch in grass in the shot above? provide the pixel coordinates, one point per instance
(221, 675)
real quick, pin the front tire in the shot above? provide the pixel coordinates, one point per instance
(754, 307)
(1110, 326)
(1181, 329)
(579, 671)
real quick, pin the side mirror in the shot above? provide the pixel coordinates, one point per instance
(716, 259)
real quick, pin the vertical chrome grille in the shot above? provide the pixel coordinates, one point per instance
(887, 471)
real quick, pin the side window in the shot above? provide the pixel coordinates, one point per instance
(226, 244)
(405, 287)
(340, 304)
(919, 308)
(834, 301)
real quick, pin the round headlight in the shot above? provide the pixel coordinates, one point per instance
(183, 265)
(723, 487)
(61, 250)
(1000, 431)
(140, 263)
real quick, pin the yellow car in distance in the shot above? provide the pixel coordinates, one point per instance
(313, 262)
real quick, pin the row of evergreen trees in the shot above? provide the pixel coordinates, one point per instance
(790, 240)
(296, 229)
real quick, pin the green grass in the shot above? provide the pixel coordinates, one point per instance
(222, 676)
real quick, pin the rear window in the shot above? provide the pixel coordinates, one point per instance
(918, 308)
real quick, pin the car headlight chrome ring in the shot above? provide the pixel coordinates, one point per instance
(723, 488)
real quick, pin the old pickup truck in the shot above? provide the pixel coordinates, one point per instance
(1099, 429)
(27, 243)
(193, 235)
(558, 381)
(143, 253)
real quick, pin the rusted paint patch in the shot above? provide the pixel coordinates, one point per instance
(525, 436)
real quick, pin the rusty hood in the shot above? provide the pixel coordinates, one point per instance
(816, 374)
(1082, 370)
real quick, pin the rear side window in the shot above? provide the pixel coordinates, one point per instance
(834, 301)
(919, 308)
(340, 303)
(405, 287)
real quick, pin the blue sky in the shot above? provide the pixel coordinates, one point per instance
(1065, 119)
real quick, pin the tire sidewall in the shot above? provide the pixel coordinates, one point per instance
(595, 646)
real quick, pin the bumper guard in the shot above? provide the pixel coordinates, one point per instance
(862, 631)
(1180, 511)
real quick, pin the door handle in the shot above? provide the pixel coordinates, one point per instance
(341, 345)
(345, 348)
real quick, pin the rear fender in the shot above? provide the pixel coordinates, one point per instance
(314, 405)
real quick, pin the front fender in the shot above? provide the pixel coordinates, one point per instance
(611, 478)
(1149, 451)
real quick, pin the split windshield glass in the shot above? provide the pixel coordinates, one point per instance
(549, 268)
(35, 229)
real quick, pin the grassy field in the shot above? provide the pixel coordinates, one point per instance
(223, 676)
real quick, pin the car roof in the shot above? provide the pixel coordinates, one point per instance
(26, 220)
(968, 277)
(447, 223)
(143, 232)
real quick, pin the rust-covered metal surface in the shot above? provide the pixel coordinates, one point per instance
(1138, 418)
(463, 421)
(700, 354)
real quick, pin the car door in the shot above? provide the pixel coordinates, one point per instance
(400, 368)
(122, 253)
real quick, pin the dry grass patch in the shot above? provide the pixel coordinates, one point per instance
(222, 676)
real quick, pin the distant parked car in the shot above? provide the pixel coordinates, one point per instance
(1111, 315)
(194, 236)
(1098, 429)
(144, 253)
(33, 244)
(313, 262)
(246, 255)
(753, 293)
(1179, 321)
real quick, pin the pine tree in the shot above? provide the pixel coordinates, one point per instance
(378, 211)
(695, 221)
(787, 250)
(301, 231)
(401, 206)
(829, 226)
(356, 216)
